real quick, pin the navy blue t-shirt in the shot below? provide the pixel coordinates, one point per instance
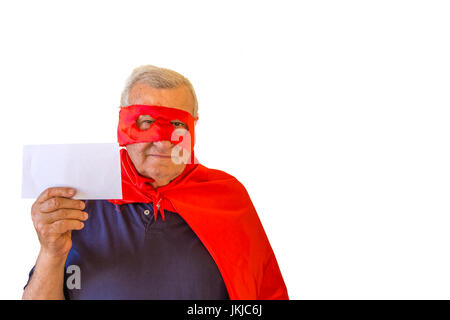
(123, 253)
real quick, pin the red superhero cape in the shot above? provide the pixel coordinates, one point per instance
(219, 210)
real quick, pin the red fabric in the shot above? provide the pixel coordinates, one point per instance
(161, 129)
(213, 203)
(219, 210)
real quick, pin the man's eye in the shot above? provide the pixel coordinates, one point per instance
(145, 124)
(178, 124)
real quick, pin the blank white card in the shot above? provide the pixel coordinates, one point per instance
(93, 169)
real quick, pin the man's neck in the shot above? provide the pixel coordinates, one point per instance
(160, 183)
(163, 181)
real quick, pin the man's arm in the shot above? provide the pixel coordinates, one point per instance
(54, 216)
(47, 281)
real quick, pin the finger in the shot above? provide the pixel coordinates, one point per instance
(56, 192)
(62, 226)
(54, 204)
(63, 214)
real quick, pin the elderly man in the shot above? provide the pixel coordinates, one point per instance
(181, 231)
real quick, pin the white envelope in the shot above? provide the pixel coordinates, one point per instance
(93, 169)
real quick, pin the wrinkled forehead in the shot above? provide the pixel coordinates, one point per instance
(179, 97)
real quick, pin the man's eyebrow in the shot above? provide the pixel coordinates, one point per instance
(145, 116)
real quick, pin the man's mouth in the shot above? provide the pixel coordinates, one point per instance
(160, 155)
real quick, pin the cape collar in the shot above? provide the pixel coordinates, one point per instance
(137, 188)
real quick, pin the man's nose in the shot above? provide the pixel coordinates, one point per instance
(163, 144)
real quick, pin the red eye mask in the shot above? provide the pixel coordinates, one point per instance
(161, 129)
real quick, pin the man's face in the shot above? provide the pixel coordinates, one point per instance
(153, 159)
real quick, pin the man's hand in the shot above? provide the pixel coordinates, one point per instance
(54, 216)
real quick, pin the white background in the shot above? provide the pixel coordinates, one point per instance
(333, 114)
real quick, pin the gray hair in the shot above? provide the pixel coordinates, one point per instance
(159, 78)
